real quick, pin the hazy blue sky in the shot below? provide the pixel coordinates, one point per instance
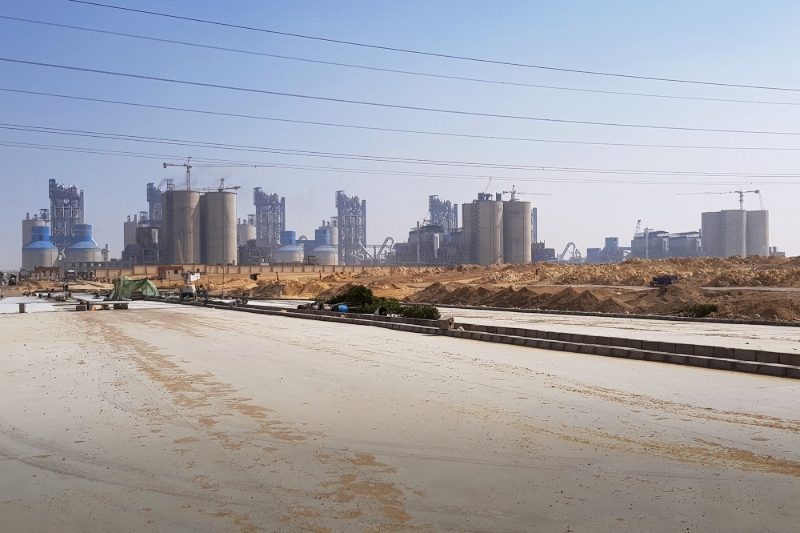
(752, 43)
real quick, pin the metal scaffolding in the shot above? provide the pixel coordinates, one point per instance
(442, 213)
(351, 219)
(270, 218)
(154, 201)
(66, 210)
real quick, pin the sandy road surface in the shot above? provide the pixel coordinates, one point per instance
(190, 419)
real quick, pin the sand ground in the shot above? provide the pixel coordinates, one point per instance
(190, 419)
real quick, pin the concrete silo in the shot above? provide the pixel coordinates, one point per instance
(39, 252)
(483, 229)
(180, 234)
(85, 250)
(28, 224)
(245, 232)
(733, 223)
(289, 251)
(758, 232)
(516, 232)
(218, 228)
(324, 251)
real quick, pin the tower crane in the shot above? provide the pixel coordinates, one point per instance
(189, 166)
(221, 187)
(514, 193)
(740, 192)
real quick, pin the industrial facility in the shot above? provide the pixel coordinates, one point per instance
(185, 226)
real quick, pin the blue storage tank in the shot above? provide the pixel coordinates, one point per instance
(288, 237)
(40, 252)
(85, 250)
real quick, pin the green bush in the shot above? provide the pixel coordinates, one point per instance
(698, 310)
(357, 295)
(420, 311)
(362, 300)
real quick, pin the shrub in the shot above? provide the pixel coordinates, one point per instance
(698, 310)
(420, 311)
(357, 295)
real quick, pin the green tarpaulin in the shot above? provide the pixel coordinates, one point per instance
(125, 287)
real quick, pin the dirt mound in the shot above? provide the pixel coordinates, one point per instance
(433, 293)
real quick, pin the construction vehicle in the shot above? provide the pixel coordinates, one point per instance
(189, 291)
(663, 281)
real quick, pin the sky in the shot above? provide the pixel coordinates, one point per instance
(584, 184)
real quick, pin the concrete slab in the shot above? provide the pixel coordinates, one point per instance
(192, 419)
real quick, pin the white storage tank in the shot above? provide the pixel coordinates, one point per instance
(85, 250)
(324, 253)
(180, 232)
(27, 226)
(245, 232)
(290, 251)
(39, 252)
(516, 232)
(218, 228)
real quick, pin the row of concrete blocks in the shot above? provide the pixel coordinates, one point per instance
(718, 363)
(624, 315)
(760, 356)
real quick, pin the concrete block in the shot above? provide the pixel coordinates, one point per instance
(565, 337)
(655, 356)
(696, 360)
(676, 359)
(544, 345)
(620, 352)
(668, 347)
(725, 353)
(519, 332)
(552, 335)
(742, 366)
(506, 339)
(495, 338)
(687, 349)
(766, 357)
(616, 341)
(586, 348)
(604, 341)
(789, 359)
(772, 370)
(80, 308)
(588, 339)
(636, 344)
(532, 343)
(602, 350)
(519, 341)
(636, 354)
(793, 373)
(485, 337)
(555, 345)
(650, 346)
(707, 351)
(720, 364)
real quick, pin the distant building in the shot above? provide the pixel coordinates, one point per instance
(735, 232)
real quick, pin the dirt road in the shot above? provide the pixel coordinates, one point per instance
(189, 419)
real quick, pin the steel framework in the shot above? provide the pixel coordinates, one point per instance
(351, 219)
(270, 217)
(66, 210)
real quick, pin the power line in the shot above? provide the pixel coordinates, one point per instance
(260, 164)
(373, 158)
(436, 54)
(382, 104)
(392, 130)
(398, 71)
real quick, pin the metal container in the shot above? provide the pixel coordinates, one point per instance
(27, 226)
(757, 233)
(218, 228)
(129, 231)
(288, 253)
(85, 250)
(245, 233)
(516, 232)
(40, 252)
(326, 255)
(180, 236)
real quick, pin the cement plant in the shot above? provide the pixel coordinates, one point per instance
(399, 267)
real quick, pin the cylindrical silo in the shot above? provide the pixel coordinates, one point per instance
(326, 255)
(218, 228)
(734, 232)
(129, 232)
(489, 232)
(516, 232)
(180, 233)
(39, 252)
(27, 226)
(289, 251)
(84, 250)
(245, 232)
(758, 232)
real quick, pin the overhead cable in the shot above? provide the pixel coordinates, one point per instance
(386, 105)
(399, 71)
(436, 54)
